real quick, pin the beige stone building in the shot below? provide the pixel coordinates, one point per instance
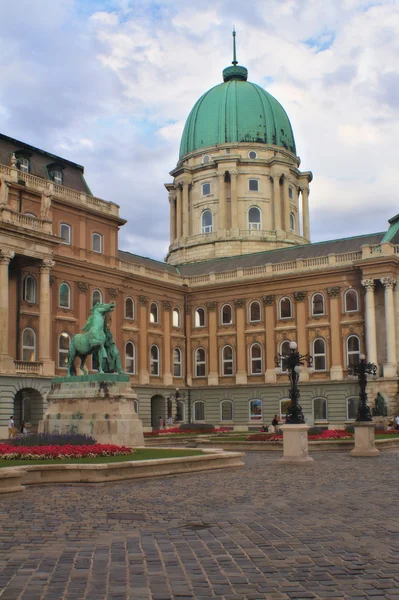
(240, 281)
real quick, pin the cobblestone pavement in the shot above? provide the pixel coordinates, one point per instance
(266, 531)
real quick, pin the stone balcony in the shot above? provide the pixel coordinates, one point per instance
(7, 215)
(24, 367)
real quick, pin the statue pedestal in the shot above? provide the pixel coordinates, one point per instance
(295, 444)
(100, 405)
(364, 439)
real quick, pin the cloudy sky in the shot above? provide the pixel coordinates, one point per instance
(109, 84)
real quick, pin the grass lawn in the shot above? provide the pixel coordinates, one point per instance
(142, 454)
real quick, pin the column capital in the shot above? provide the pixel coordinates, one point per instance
(82, 286)
(46, 265)
(333, 292)
(368, 284)
(143, 300)
(240, 302)
(233, 173)
(268, 300)
(212, 306)
(6, 256)
(300, 296)
(167, 304)
(388, 282)
(113, 292)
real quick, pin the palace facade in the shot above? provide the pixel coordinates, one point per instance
(240, 281)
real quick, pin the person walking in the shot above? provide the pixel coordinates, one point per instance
(160, 423)
(275, 423)
(11, 427)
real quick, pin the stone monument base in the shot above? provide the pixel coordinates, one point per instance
(295, 444)
(100, 405)
(364, 439)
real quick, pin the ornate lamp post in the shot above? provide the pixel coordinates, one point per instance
(177, 397)
(293, 363)
(362, 369)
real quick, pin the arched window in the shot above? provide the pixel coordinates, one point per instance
(200, 362)
(64, 342)
(154, 312)
(129, 308)
(290, 193)
(285, 308)
(199, 411)
(320, 409)
(97, 242)
(284, 404)
(205, 189)
(96, 297)
(317, 304)
(352, 350)
(30, 289)
(199, 317)
(292, 222)
(253, 185)
(206, 222)
(66, 233)
(255, 410)
(351, 301)
(176, 317)
(255, 311)
(154, 360)
(226, 410)
(30, 214)
(130, 358)
(254, 218)
(177, 362)
(226, 314)
(28, 345)
(319, 354)
(284, 350)
(255, 353)
(65, 295)
(227, 360)
(352, 406)
(206, 159)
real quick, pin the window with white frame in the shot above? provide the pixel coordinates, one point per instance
(154, 312)
(64, 341)
(28, 345)
(284, 351)
(65, 295)
(24, 164)
(57, 177)
(227, 361)
(255, 355)
(255, 312)
(255, 410)
(130, 358)
(352, 350)
(226, 314)
(254, 218)
(252, 154)
(206, 222)
(317, 304)
(292, 222)
(154, 360)
(200, 362)
(129, 308)
(199, 411)
(66, 233)
(176, 322)
(226, 410)
(285, 308)
(319, 354)
(30, 214)
(97, 243)
(206, 159)
(205, 189)
(319, 409)
(352, 406)
(96, 297)
(351, 301)
(199, 317)
(177, 370)
(290, 193)
(253, 185)
(30, 289)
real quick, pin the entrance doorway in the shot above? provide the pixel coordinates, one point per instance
(28, 406)
(158, 409)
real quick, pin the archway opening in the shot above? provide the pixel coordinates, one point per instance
(158, 409)
(28, 406)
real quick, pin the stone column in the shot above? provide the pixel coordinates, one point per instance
(276, 202)
(270, 371)
(390, 369)
(222, 203)
(213, 371)
(302, 338)
(305, 213)
(45, 318)
(144, 376)
(233, 201)
(189, 361)
(184, 209)
(178, 212)
(336, 371)
(287, 209)
(172, 212)
(167, 350)
(371, 334)
(241, 376)
(6, 361)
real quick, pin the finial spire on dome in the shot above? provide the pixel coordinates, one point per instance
(235, 61)
(235, 72)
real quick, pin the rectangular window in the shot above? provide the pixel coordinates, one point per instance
(253, 185)
(206, 189)
(97, 243)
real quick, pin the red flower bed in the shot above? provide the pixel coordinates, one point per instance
(58, 452)
(328, 434)
(178, 431)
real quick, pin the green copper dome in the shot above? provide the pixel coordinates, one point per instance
(236, 111)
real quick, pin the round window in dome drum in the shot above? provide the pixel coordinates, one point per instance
(252, 154)
(206, 159)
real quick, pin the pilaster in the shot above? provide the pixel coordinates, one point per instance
(336, 371)
(241, 375)
(302, 338)
(45, 318)
(213, 374)
(371, 334)
(167, 351)
(6, 361)
(144, 376)
(390, 369)
(270, 371)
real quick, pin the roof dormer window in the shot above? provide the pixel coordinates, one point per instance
(23, 162)
(57, 177)
(55, 173)
(24, 165)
